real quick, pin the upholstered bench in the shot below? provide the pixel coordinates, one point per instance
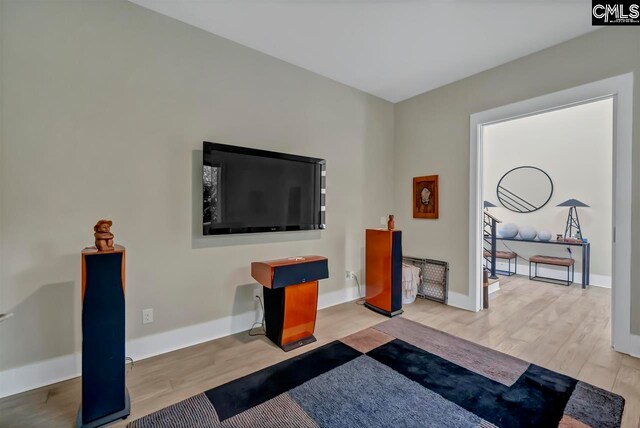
(506, 255)
(552, 261)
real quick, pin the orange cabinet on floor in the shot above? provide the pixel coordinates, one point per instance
(383, 271)
(290, 297)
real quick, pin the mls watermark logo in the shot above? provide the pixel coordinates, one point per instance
(615, 12)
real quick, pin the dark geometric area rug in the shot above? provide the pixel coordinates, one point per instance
(397, 374)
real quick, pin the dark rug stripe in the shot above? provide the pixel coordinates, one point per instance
(536, 399)
(241, 394)
(595, 407)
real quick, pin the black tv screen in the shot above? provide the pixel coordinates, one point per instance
(248, 190)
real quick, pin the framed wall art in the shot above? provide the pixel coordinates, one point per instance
(425, 197)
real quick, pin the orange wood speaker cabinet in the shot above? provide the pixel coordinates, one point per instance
(104, 394)
(291, 297)
(383, 271)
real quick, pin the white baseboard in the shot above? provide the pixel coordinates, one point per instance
(494, 287)
(461, 301)
(34, 375)
(630, 345)
(42, 373)
(634, 348)
(337, 297)
(560, 273)
(161, 343)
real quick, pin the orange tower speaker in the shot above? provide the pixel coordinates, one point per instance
(290, 297)
(104, 394)
(383, 271)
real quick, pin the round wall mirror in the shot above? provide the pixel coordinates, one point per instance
(525, 189)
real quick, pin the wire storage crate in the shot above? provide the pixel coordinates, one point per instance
(434, 278)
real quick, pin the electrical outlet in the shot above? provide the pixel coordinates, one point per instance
(383, 221)
(147, 316)
(349, 275)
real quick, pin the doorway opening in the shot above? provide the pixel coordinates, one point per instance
(548, 197)
(507, 184)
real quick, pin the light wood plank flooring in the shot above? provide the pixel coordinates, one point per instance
(566, 329)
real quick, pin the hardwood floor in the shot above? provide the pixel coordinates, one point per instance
(566, 329)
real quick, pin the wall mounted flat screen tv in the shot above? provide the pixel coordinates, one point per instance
(248, 190)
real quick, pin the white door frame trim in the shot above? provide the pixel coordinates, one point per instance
(620, 88)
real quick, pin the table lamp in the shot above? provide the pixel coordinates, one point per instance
(488, 204)
(573, 222)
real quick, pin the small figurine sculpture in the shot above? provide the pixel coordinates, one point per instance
(103, 235)
(391, 224)
(425, 196)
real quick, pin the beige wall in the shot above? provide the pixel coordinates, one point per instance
(432, 137)
(105, 106)
(574, 147)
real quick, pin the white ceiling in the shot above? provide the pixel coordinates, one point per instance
(392, 49)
